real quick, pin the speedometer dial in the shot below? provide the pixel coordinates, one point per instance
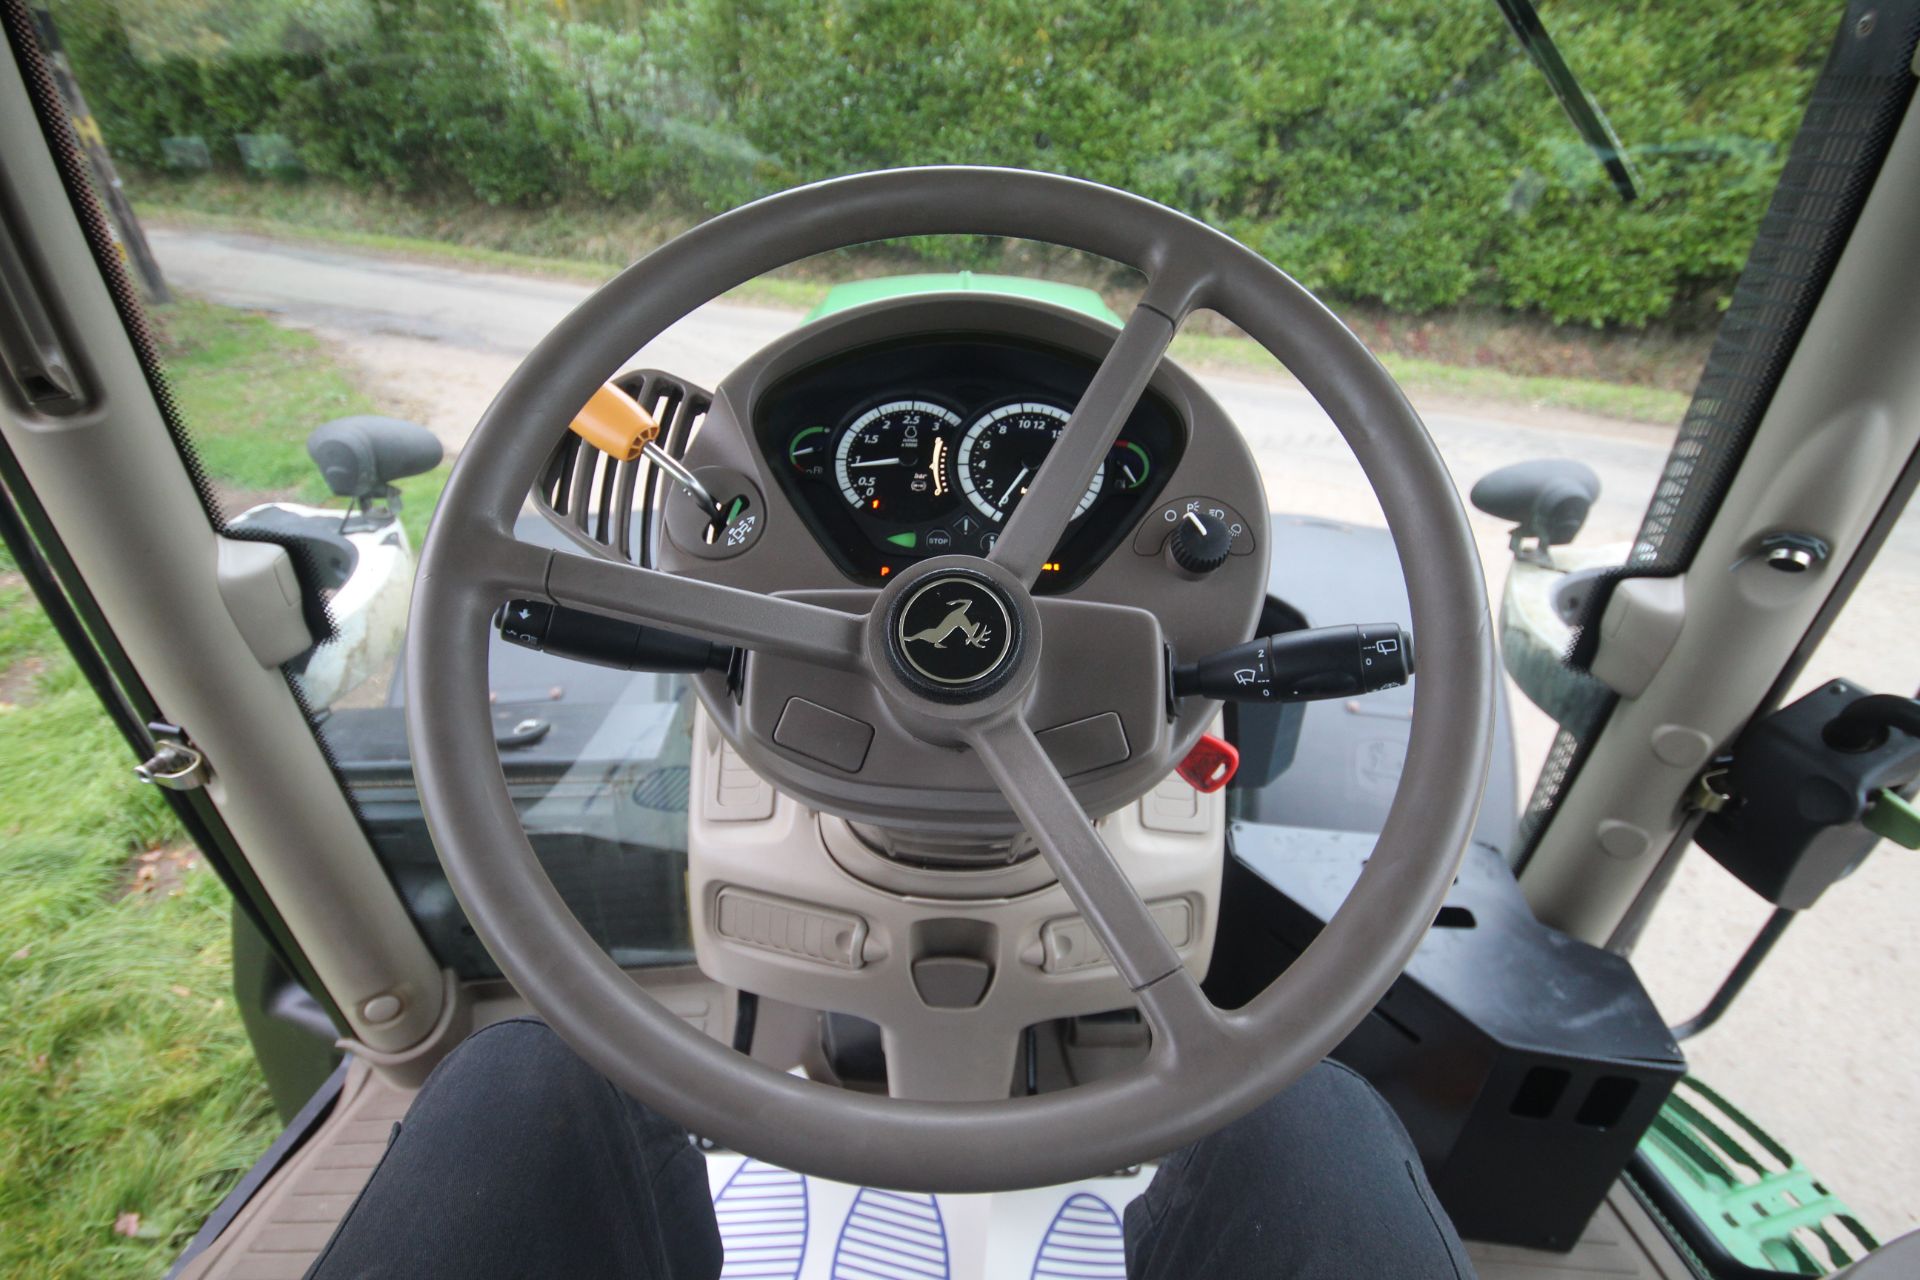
(1002, 452)
(891, 461)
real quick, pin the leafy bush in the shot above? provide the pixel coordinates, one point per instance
(1404, 153)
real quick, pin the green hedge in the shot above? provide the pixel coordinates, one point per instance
(1403, 152)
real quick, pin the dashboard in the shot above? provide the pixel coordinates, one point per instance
(924, 446)
(939, 407)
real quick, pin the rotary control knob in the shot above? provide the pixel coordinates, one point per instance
(1200, 543)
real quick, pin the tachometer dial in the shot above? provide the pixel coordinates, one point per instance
(1002, 452)
(892, 461)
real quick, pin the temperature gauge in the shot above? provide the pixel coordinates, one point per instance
(809, 452)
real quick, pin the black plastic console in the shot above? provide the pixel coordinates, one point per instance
(1525, 1064)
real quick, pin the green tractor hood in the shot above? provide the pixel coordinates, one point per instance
(1071, 296)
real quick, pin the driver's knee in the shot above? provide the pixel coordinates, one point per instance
(518, 1083)
(1329, 1113)
(514, 1064)
(1321, 1180)
(516, 1089)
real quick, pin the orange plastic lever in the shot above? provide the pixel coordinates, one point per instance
(615, 423)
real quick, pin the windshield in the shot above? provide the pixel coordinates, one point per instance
(378, 207)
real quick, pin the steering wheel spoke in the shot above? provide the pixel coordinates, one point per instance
(722, 614)
(1037, 524)
(1172, 1001)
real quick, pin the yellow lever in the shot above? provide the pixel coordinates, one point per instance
(616, 424)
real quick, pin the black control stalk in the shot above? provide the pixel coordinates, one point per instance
(1302, 666)
(606, 642)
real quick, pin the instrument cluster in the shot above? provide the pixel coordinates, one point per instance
(924, 447)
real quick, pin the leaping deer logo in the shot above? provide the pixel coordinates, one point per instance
(976, 634)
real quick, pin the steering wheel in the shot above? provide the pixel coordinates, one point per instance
(1206, 1066)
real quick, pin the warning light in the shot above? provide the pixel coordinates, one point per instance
(1051, 566)
(876, 504)
(884, 570)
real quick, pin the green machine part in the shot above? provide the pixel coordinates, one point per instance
(1071, 296)
(1764, 1207)
(1893, 817)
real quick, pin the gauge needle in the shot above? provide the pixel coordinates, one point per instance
(1014, 488)
(875, 462)
(1132, 479)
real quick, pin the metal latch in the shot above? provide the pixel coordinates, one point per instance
(176, 764)
(1709, 793)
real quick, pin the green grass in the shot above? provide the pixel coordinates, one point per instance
(250, 391)
(126, 1082)
(1433, 377)
(24, 630)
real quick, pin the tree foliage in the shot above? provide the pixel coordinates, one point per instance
(1403, 152)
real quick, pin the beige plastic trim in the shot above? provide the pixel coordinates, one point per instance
(411, 1065)
(290, 1219)
(1638, 630)
(120, 499)
(836, 926)
(1845, 420)
(263, 594)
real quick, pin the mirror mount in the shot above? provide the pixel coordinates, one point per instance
(1547, 500)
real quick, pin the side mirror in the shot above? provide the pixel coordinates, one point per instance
(360, 457)
(1547, 499)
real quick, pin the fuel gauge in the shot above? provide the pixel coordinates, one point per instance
(1129, 464)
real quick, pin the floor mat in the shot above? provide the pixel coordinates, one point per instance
(762, 1212)
(778, 1225)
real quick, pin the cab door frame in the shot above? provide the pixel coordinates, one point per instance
(113, 499)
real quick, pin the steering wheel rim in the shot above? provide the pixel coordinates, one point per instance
(1207, 1066)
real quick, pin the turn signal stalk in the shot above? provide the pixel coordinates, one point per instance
(606, 642)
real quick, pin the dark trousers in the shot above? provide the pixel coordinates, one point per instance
(517, 1159)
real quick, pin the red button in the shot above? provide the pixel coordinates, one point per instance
(1210, 765)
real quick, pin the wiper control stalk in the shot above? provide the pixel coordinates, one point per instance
(1302, 666)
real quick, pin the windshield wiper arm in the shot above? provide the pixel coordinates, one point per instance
(1579, 104)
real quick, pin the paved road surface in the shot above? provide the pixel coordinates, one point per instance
(1822, 1046)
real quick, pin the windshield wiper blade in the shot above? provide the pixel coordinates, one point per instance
(1579, 104)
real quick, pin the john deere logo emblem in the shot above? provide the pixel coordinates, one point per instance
(954, 631)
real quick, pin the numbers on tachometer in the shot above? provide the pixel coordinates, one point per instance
(1001, 453)
(892, 461)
